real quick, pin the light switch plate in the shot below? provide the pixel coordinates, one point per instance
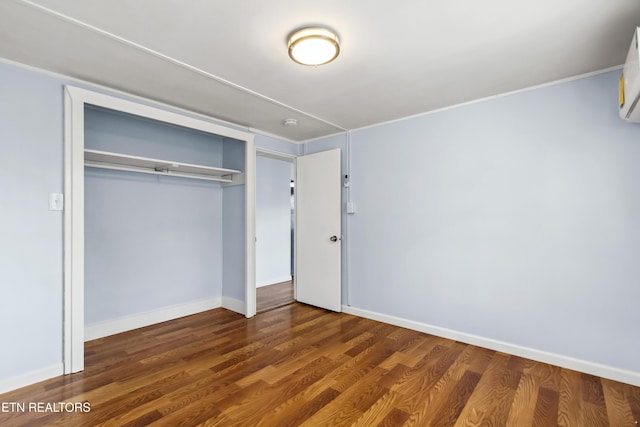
(56, 202)
(351, 208)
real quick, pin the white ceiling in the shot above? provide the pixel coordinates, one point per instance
(228, 58)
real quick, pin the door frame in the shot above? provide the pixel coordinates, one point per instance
(73, 282)
(293, 159)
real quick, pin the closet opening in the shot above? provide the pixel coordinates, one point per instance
(172, 204)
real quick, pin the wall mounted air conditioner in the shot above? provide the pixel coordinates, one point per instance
(630, 83)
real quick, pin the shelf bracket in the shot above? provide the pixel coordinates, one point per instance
(236, 179)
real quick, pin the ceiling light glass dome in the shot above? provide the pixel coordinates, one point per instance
(313, 46)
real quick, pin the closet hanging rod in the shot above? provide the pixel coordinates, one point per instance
(126, 162)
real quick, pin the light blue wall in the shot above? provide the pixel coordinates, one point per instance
(233, 227)
(273, 221)
(515, 219)
(31, 236)
(274, 144)
(233, 154)
(31, 131)
(233, 232)
(110, 130)
(151, 242)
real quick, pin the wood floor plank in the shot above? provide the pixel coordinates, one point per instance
(524, 402)
(570, 409)
(618, 407)
(444, 396)
(394, 418)
(487, 400)
(595, 410)
(449, 413)
(435, 380)
(504, 390)
(274, 296)
(633, 397)
(285, 389)
(546, 411)
(379, 410)
(426, 373)
(300, 365)
(548, 375)
(352, 402)
(297, 409)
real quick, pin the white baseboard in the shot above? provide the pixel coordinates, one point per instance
(234, 305)
(127, 323)
(31, 377)
(274, 281)
(604, 371)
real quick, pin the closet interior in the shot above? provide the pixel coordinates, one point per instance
(164, 218)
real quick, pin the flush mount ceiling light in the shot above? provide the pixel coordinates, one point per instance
(313, 46)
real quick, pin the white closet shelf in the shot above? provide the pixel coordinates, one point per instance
(125, 162)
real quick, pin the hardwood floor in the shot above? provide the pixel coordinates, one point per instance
(299, 365)
(272, 296)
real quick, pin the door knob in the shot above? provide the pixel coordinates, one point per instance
(334, 238)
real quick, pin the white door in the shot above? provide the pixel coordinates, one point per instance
(318, 228)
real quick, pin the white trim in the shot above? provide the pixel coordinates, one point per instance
(604, 371)
(107, 101)
(249, 229)
(75, 100)
(127, 323)
(264, 152)
(29, 378)
(235, 305)
(274, 136)
(73, 339)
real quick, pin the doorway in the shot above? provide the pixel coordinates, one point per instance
(317, 228)
(275, 229)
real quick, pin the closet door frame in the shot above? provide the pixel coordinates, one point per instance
(73, 281)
